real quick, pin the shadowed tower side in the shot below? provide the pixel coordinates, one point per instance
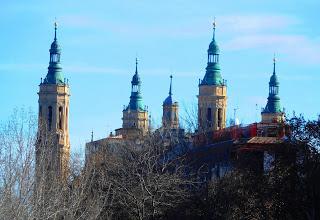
(170, 116)
(53, 147)
(212, 98)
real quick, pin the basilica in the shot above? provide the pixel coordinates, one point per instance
(53, 114)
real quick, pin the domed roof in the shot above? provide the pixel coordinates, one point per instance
(136, 79)
(213, 75)
(274, 80)
(136, 103)
(168, 100)
(55, 46)
(213, 47)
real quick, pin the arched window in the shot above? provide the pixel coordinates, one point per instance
(135, 88)
(55, 58)
(274, 90)
(49, 117)
(60, 117)
(219, 117)
(66, 118)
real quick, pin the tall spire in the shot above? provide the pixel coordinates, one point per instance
(136, 97)
(55, 30)
(274, 64)
(169, 99)
(273, 104)
(136, 65)
(214, 28)
(170, 90)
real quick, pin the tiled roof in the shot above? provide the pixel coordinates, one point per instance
(265, 140)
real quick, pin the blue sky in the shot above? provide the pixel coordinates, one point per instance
(100, 40)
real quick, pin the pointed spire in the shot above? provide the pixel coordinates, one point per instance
(136, 65)
(170, 90)
(55, 30)
(92, 136)
(214, 24)
(274, 64)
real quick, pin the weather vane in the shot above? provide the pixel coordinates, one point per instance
(55, 22)
(214, 22)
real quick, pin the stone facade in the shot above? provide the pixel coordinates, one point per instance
(53, 146)
(135, 123)
(170, 116)
(54, 128)
(212, 107)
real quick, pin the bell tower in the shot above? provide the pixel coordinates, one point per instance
(53, 147)
(170, 117)
(135, 121)
(272, 113)
(212, 98)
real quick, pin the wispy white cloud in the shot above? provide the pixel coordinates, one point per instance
(255, 23)
(83, 69)
(294, 47)
(192, 27)
(266, 32)
(20, 67)
(187, 29)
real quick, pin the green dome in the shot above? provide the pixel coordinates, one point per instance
(136, 102)
(55, 48)
(213, 75)
(55, 75)
(213, 47)
(273, 105)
